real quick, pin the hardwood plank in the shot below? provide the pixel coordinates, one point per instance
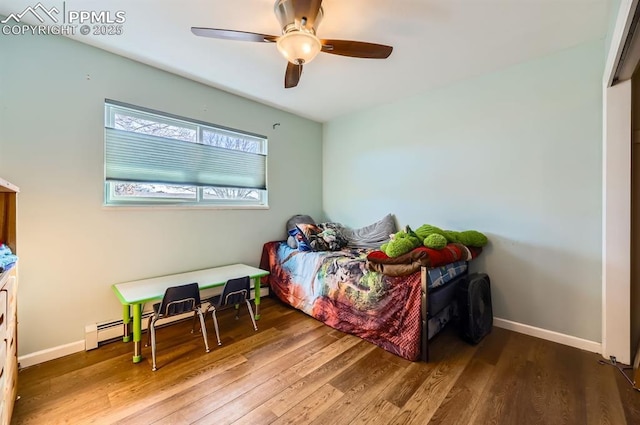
(296, 370)
(353, 376)
(602, 408)
(96, 381)
(198, 402)
(555, 391)
(318, 359)
(380, 412)
(461, 401)
(163, 393)
(427, 398)
(312, 407)
(399, 392)
(358, 393)
(300, 329)
(232, 330)
(490, 349)
(628, 396)
(297, 392)
(260, 394)
(497, 403)
(186, 371)
(261, 415)
(248, 401)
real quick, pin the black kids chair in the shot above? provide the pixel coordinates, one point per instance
(177, 300)
(235, 292)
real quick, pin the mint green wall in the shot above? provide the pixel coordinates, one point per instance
(614, 9)
(515, 154)
(71, 248)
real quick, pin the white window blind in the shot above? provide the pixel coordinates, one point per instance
(164, 158)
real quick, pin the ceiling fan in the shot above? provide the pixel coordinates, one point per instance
(298, 43)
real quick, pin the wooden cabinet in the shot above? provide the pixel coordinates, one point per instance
(8, 305)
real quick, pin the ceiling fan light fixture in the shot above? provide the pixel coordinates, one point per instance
(299, 47)
(299, 20)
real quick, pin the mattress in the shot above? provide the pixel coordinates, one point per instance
(442, 296)
(438, 276)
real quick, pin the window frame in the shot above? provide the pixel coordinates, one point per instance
(110, 199)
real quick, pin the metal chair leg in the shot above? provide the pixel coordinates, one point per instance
(215, 324)
(253, 320)
(204, 329)
(194, 321)
(149, 331)
(152, 328)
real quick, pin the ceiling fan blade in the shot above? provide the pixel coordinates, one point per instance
(233, 35)
(356, 49)
(292, 75)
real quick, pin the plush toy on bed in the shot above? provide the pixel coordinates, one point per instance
(436, 238)
(432, 237)
(401, 243)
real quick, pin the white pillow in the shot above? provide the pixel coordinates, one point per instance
(373, 235)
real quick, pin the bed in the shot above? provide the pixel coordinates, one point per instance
(397, 304)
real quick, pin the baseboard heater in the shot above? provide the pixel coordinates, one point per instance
(105, 332)
(98, 333)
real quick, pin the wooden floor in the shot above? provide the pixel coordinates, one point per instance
(296, 370)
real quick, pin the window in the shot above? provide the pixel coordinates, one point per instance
(152, 158)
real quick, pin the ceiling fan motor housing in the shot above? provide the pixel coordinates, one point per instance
(298, 15)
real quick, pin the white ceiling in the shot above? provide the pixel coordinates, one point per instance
(436, 42)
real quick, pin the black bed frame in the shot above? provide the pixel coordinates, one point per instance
(443, 301)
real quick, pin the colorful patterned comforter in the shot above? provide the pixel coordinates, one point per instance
(337, 288)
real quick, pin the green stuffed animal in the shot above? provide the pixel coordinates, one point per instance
(436, 238)
(435, 241)
(427, 229)
(401, 243)
(432, 236)
(472, 238)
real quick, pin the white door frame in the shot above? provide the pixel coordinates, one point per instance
(616, 198)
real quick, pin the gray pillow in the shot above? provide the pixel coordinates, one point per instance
(292, 223)
(373, 235)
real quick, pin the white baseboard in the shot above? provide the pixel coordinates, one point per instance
(50, 353)
(571, 341)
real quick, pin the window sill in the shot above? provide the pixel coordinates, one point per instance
(184, 207)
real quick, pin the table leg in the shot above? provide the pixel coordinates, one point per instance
(126, 323)
(137, 333)
(256, 291)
